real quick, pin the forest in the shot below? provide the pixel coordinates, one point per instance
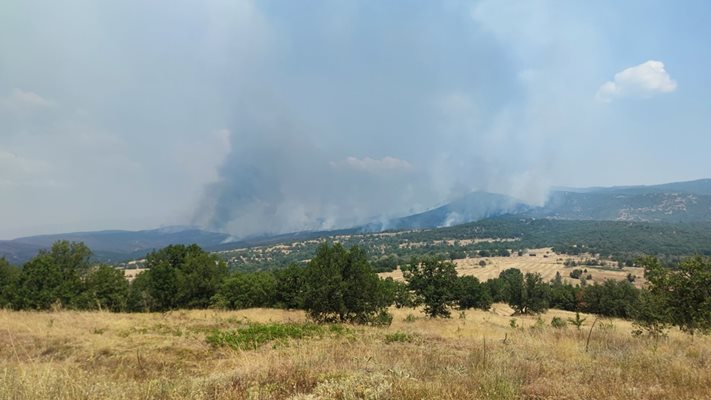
(339, 284)
(616, 241)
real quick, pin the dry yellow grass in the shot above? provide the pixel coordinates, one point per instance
(85, 355)
(545, 262)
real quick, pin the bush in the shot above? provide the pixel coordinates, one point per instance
(577, 322)
(398, 337)
(558, 323)
(382, 318)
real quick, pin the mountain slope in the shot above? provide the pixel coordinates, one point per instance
(471, 207)
(626, 205)
(111, 245)
(671, 202)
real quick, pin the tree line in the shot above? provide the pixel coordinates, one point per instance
(339, 284)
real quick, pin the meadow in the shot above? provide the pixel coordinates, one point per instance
(545, 262)
(277, 354)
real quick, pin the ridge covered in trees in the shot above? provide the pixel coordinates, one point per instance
(617, 241)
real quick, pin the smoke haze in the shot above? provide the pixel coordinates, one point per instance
(268, 117)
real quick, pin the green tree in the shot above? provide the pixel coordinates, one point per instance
(54, 276)
(472, 294)
(107, 288)
(563, 296)
(341, 286)
(495, 287)
(9, 276)
(290, 283)
(525, 293)
(435, 283)
(201, 274)
(650, 315)
(611, 298)
(386, 263)
(139, 294)
(182, 276)
(163, 287)
(684, 294)
(397, 293)
(247, 290)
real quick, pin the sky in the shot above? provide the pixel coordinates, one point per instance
(261, 117)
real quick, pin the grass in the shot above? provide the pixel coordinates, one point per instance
(398, 336)
(546, 266)
(274, 354)
(252, 336)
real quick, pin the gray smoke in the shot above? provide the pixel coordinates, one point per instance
(363, 114)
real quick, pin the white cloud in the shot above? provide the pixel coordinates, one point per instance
(386, 164)
(643, 80)
(16, 170)
(22, 101)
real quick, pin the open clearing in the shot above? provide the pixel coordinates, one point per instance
(94, 355)
(545, 262)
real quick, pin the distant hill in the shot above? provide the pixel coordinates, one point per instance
(627, 205)
(699, 187)
(471, 207)
(112, 246)
(671, 202)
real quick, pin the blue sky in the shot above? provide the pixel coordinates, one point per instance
(252, 117)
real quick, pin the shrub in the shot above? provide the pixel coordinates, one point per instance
(578, 322)
(539, 324)
(558, 323)
(398, 337)
(382, 318)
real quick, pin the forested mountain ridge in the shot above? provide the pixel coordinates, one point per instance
(672, 203)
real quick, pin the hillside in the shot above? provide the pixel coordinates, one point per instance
(671, 202)
(112, 246)
(471, 207)
(627, 205)
(621, 241)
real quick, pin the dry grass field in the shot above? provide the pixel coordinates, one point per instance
(93, 355)
(545, 262)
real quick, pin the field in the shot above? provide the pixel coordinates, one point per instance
(545, 262)
(94, 355)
